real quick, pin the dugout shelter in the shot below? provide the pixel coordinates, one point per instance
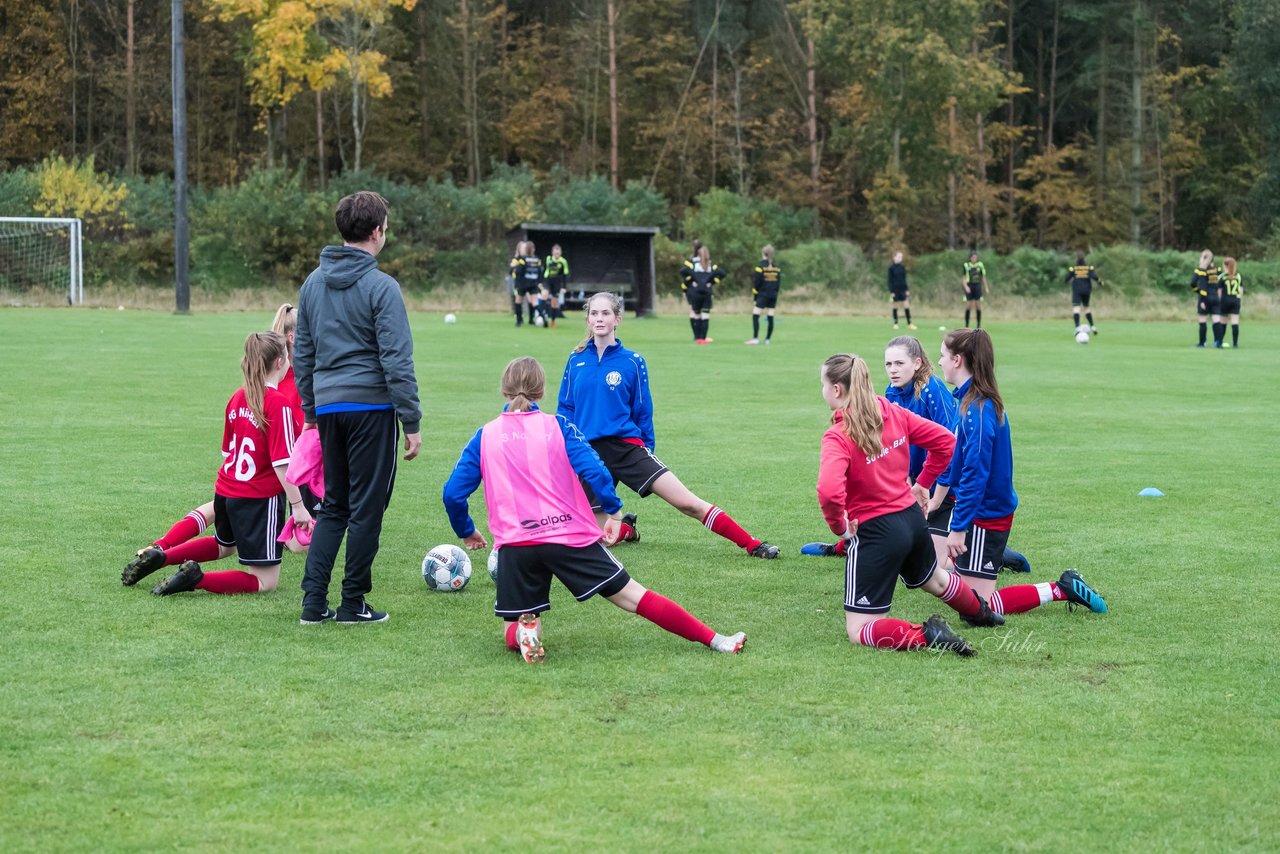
(617, 258)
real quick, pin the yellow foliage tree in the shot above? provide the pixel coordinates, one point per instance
(72, 188)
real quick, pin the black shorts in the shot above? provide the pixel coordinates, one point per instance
(524, 288)
(1207, 304)
(767, 300)
(1080, 294)
(699, 299)
(899, 295)
(886, 548)
(975, 291)
(251, 526)
(985, 554)
(633, 465)
(1229, 305)
(939, 520)
(524, 576)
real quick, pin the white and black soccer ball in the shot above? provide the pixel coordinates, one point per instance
(538, 321)
(1082, 335)
(493, 564)
(446, 568)
(451, 318)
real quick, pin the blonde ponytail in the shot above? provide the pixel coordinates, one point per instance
(261, 351)
(863, 423)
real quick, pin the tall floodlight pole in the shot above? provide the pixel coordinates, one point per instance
(181, 231)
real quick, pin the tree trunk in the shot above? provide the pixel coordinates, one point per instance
(611, 22)
(320, 156)
(951, 174)
(130, 98)
(811, 73)
(984, 207)
(471, 122)
(1012, 127)
(1101, 142)
(1053, 75)
(715, 56)
(743, 188)
(357, 131)
(1135, 215)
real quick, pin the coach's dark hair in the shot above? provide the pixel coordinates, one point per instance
(1080, 258)
(615, 302)
(261, 350)
(359, 214)
(863, 423)
(975, 347)
(523, 382)
(915, 350)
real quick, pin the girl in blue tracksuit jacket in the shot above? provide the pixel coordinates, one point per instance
(981, 476)
(605, 392)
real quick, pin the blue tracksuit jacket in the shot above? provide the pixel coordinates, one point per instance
(608, 395)
(981, 473)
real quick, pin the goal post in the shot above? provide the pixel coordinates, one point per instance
(42, 252)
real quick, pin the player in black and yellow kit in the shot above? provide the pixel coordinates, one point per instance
(975, 284)
(700, 280)
(1081, 277)
(764, 287)
(899, 293)
(1232, 291)
(1208, 290)
(555, 277)
(526, 273)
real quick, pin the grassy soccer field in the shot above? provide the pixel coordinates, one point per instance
(205, 722)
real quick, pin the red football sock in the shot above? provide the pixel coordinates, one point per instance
(625, 532)
(960, 596)
(511, 637)
(888, 633)
(1024, 597)
(719, 522)
(229, 582)
(201, 550)
(662, 612)
(190, 525)
(842, 547)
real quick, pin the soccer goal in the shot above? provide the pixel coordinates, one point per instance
(42, 252)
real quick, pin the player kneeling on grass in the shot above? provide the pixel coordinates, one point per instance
(530, 463)
(250, 491)
(863, 492)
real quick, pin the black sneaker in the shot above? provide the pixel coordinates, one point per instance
(314, 616)
(630, 519)
(147, 561)
(182, 581)
(985, 618)
(1080, 593)
(938, 635)
(364, 615)
(764, 551)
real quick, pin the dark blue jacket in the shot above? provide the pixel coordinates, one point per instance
(934, 403)
(981, 473)
(608, 395)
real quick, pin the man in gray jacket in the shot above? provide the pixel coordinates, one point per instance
(353, 364)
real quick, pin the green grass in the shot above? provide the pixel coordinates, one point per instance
(203, 722)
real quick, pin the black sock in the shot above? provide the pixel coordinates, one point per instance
(1203, 330)
(908, 311)
(1219, 332)
(706, 326)
(1075, 321)
(755, 326)
(693, 324)
(895, 315)
(1235, 334)
(979, 313)
(770, 335)
(966, 317)
(1088, 315)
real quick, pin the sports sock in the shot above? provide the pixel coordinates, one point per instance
(978, 312)
(229, 582)
(755, 326)
(966, 317)
(960, 596)
(719, 522)
(769, 335)
(693, 324)
(1024, 597)
(1202, 332)
(895, 315)
(706, 327)
(625, 532)
(1219, 332)
(1088, 315)
(842, 547)
(201, 550)
(511, 637)
(190, 525)
(1235, 334)
(664, 613)
(908, 313)
(888, 633)
(1075, 321)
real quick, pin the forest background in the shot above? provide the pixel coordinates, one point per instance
(839, 129)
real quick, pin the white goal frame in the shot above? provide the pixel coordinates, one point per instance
(75, 288)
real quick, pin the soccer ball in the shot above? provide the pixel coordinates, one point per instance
(1082, 335)
(493, 564)
(538, 321)
(451, 318)
(446, 568)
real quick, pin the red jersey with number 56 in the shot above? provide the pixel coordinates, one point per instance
(251, 451)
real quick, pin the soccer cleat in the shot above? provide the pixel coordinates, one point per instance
(729, 644)
(752, 341)
(708, 340)
(764, 551)
(366, 614)
(529, 639)
(1080, 593)
(766, 342)
(1015, 561)
(182, 581)
(1200, 346)
(895, 326)
(912, 326)
(985, 618)
(1093, 330)
(314, 617)
(938, 635)
(630, 519)
(819, 550)
(147, 561)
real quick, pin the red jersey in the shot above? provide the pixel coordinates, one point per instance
(852, 482)
(289, 389)
(251, 451)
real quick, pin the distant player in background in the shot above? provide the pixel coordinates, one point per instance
(555, 278)
(766, 281)
(250, 492)
(1081, 277)
(605, 392)
(865, 499)
(1208, 292)
(1232, 291)
(899, 293)
(975, 287)
(981, 476)
(700, 281)
(512, 273)
(531, 463)
(526, 271)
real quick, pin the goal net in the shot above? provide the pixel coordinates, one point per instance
(39, 253)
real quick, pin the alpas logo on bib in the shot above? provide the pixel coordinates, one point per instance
(552, 520)
(613, 379)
